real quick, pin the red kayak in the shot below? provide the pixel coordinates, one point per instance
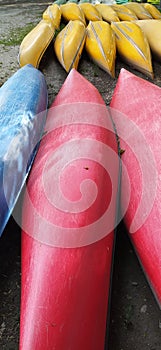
(137, 114)
(69, 216)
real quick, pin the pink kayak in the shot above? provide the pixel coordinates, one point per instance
(69, 217)
(137, 114)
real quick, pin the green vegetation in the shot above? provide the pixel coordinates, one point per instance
(15, 36)
(62, 26)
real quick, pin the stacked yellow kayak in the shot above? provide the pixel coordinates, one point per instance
(124, 13)
(154, 12)
(100, 29)
(152, 30)
(90, 11)
(133, 46)
(72, 12)
(36, 42)
(107, 12)
(53, 15)
(140, 11)
(101, 45)
(69, 44)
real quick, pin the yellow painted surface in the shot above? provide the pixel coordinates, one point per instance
(139, 10)
(35, 43)
(69, 44)
(132, 45)
(107, 13)
(90, 11)
(124, 13)
(53, 14)
(71, 12)
(101, 45)
(155, 13)
(152, 30)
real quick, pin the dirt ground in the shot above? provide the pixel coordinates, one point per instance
(135, 318)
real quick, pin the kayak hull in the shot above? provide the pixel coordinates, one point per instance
(133, 47)
(101, 45)
(151, 29)
(69, 43)
(138, 125)
(35, 43)
(23, 100)
(66, 274)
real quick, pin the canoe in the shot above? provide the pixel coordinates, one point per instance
(35, 43)
(107, 13)
(69, 44)
(152, 30)
(68, 223)
(23, 101)
(84, 1)
(53, 14)
(71, 12)
(101, 45)
(138, 123)
(90, 12)
(133, 47)
(124, 13)
(59, 2)
(139, 10)
(72, 1)
(155, 13)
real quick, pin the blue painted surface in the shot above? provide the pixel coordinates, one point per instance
(23, 108)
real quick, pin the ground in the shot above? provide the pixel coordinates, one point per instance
(135, 318)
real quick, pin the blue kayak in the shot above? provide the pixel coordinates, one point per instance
(23, 108)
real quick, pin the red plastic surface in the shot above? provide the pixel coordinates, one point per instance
(140, 103)
(64, 298)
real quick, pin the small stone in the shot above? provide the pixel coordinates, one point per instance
(143, 309)
(134, 283)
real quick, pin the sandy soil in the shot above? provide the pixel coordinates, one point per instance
(135, 319)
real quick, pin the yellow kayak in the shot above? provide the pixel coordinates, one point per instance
(101, 45)
(90, 11)
(107, 13)
(124, 13)
(69, 44)
(139, 10)
(132, 45)
(155, 13)
(71, 12)
(53, 14)
(35, 43)
(152, 30)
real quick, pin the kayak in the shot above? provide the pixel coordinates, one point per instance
(36, 42)
(124, 13)
(53, 14)
(69, 215)
(100, 45)
(152, 30)
(154, 12)
(69, 44)
(140, 11)
(133, 47)
(90, 12)
(138, 123)
(107, 13)
(71, 11)
(23, 102)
